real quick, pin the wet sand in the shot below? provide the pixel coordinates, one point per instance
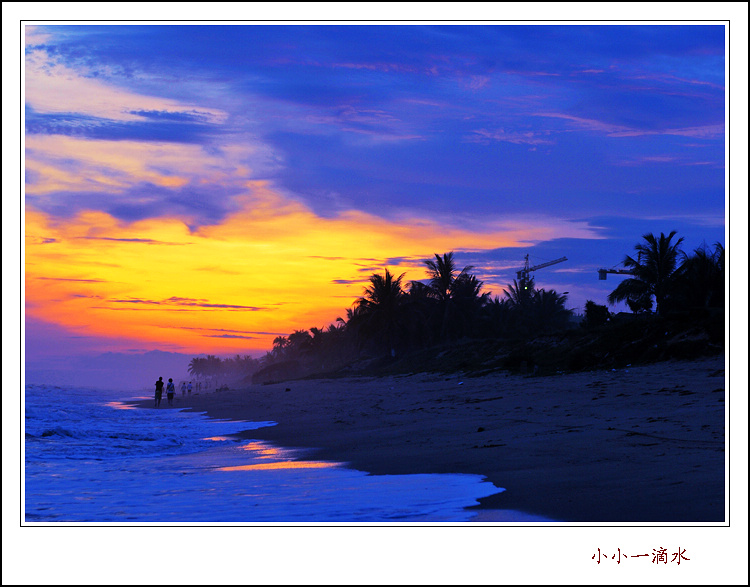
(642, 444)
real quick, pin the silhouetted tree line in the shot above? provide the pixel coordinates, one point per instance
(667, 281)
(215, 371)
(392, 318)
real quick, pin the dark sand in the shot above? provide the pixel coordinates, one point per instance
(643, 444)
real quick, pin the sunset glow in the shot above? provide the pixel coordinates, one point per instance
(271, 267)
(212, 211)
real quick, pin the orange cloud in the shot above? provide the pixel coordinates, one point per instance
(268, 269)
(72, 163)
(172, 182)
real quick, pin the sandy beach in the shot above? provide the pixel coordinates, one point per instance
(641, 444)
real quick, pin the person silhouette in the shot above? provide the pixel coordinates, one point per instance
(157, 393)
(170, 391)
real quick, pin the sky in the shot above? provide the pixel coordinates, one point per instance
(200, 188)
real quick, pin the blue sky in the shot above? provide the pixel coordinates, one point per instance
(400, 141)
(576, 121)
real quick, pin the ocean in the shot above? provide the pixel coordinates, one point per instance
(92, 458)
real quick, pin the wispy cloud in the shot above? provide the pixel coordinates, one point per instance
(53, 87)
(478, 82)
(587, 123)
(667, 160)
(709, 131)
(70, 279)
(228, 332)
(234, 336)
(67, 174)
(664, 77)
(386, 67)
(517, 138)
(527, 73)
(175, 301)
(145, 241)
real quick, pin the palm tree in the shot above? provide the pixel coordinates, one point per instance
(443, 278)
(280, 344)
(701, 278)
(653, 272)
(196, 366)
(467, 302)
(380, 307)
(442, 274)
(520, 294)
(418, 305)
(495, 317)
(352, 325)
(549, 311)
(535, 310)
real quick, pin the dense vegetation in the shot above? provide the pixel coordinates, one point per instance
(446, 322)
(215, 372)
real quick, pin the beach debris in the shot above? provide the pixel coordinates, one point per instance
(480, 429)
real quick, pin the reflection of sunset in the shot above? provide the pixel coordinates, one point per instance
(280, 459)
(268, 269)
(120, 406)
(283, 465)
(264, 450)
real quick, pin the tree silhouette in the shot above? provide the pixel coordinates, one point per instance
(548, 310)
(653, 272)
(280, 344)
(467, 301)
(443, 277)
(380, 308)
(520, 294)
(535, 310)
(700, 279)
(195, 367)
(442, 274)
(595, 315)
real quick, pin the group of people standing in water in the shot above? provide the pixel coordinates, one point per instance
(185, 388)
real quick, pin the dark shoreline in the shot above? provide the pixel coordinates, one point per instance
(644, 444)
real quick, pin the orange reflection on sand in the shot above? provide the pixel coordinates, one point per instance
(283, 465)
